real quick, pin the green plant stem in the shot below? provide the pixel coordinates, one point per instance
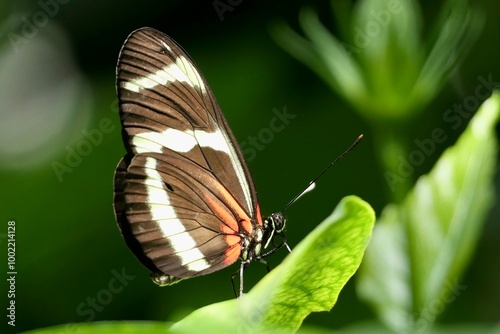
(392, 147)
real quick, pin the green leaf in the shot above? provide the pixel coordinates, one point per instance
(309, 279)
(420, 248)
(390, 51)
(376, 328)
(327, 56)
(339, 69)
(107, 327)
(323, 53)
(383, 66)
(456, 29)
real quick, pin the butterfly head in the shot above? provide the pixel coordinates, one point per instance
(274, 225)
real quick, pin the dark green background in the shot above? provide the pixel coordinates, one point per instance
(67, 243)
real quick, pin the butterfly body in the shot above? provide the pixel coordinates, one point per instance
(184, 198)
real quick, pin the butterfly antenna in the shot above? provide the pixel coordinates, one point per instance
(312, 184)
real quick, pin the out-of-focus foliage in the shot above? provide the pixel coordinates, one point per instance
(60, 142)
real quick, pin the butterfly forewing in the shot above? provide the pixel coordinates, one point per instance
(183, 193)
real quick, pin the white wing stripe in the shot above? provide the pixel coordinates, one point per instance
(239, 173)
(182, 70)
(179, 141)
(176, 140)
(173, 230)
(185, 141)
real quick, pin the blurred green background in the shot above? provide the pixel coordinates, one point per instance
(57, 95)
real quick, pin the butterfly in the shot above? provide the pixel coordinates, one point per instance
(184, 199)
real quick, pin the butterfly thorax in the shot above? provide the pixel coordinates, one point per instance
(253, 245)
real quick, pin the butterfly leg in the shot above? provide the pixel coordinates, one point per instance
(261, 260)
(243, 265)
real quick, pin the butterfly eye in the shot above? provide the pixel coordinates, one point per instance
(278, 222)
